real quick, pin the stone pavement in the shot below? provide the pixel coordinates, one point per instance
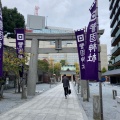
(111, 110)
(50, 105)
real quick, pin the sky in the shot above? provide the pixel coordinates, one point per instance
(66, 13)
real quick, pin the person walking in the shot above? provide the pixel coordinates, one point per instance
(66, 84)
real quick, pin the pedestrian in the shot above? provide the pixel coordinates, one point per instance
(66, 85)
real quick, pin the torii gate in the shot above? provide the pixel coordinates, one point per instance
(35, 50)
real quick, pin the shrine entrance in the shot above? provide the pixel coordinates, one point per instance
(69, 70)
(35, 50)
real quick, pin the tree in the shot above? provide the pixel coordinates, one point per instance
(43, 65)
(51, 66)
(103, 70)
(11, 63)
(110, 66)
(110, 62)
(11, 20)
(57, 68)
(77, 68)
(62, 62)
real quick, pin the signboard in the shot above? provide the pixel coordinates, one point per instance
(91, 51)
(80, 38)
(20, 46)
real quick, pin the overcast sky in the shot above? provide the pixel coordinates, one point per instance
(66, 13)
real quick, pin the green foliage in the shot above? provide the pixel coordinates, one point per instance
(62, 62)
(43, 65)
(110, 62)
(12, 19)
(112, 57)
(51, 66)
(103, 70)
(1, 80)
(77, 68)
(110, 68)
(57, 68)
(11, 62)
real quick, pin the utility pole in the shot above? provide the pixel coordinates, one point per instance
(99, 64)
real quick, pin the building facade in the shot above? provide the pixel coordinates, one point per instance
(114, 8)
(115, 30)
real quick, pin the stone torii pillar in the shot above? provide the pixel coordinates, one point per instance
(32, 73)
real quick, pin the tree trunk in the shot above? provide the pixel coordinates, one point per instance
(19, 85)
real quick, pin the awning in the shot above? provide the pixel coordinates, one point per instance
(68, 72)
(115, 72)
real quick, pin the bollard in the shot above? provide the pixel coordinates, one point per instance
(114, 93)
(96, 107)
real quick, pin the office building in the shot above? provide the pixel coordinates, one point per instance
(114, 8)
(115, 30)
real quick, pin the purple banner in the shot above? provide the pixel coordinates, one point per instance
(20, 46)
(80, 38)
(1, 43)
(91, 51)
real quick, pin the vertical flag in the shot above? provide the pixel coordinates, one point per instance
(20, 45)
(80, 38)
(1, 43)
(91, 51)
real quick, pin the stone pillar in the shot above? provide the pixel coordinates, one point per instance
(85, 87)
(96, 107)
(83, 84)
(32, 73)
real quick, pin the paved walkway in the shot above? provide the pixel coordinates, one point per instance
(50, 105)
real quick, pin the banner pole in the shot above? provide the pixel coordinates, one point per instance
(0, 4)
(99, 62)
(87, 81)
(1, 41)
